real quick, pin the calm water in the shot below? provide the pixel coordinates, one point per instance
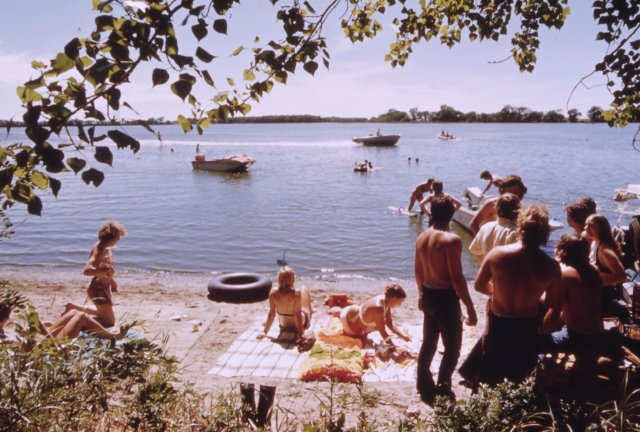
(302, 196)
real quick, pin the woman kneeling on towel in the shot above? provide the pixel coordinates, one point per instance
(374, 315)
(292, 305)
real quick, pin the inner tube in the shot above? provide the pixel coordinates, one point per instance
(239, 288)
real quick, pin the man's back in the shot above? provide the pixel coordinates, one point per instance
(433, 247)
(520, 276)
(582, 306)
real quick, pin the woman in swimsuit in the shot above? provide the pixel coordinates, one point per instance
(605, 255)
(292, 305)
(100, 268)
(374, 315)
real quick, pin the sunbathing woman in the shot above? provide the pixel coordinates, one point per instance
(100, 267)
(292, 305)
(374, 315)
(607, 259)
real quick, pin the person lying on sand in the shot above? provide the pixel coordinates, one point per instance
(373, 315)
(292, 305)
(100, 268)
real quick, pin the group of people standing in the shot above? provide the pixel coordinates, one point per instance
(536, 303)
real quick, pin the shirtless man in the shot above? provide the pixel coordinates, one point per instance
(441, 284)
(487, 211)
(515, 276)
(417, 194)
(100, 267)
(577, 301)
(437, 191)
(492, 180)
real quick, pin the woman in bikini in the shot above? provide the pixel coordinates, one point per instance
(374, 315)
(605, 255)
(100, 268)
(292, 305)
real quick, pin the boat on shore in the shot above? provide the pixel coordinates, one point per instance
(474, 198)
(377, 140)
(229, 164)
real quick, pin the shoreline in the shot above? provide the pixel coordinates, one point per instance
(175, 309)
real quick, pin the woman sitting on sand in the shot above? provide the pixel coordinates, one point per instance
(292, 305)
(373, 315)
(100, 267)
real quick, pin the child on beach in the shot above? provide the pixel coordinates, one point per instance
(292, 305)
(100, 267)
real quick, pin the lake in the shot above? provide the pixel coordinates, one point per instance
(302, 197)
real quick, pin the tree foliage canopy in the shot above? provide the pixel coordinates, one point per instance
(83, 81)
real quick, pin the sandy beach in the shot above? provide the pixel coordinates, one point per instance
(206, 329)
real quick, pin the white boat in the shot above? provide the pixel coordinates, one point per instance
(377, 140)
(474, 198)
(232, 164)
(446, 137)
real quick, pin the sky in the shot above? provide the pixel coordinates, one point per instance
(358, 83)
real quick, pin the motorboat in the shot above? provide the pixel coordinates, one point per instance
(377, 140)
(446, 137)
(230, 164)
(474, 199)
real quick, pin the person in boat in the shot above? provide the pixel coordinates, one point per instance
(100, 267)
(373, 315)
(487, 212)
(370, 165)
(606, 256)
(516, 277)
(441, 286)
(492, 180)
(418, 192)
(574, 318)
(577, 214)
(291, 305)
(500, 232)
(437, 190)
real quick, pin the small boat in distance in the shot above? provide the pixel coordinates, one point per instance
(230, 164)
(377, 140)
(446, 136)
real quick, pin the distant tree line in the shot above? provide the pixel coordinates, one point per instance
(446, 114)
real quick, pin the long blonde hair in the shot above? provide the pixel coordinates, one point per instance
(286, 278)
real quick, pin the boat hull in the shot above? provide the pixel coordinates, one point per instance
(377, 140)
(232, 164)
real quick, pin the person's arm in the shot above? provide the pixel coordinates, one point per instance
(487, 187)
(93, 265)
(419, 272)
(483, 279)
(456, 203)
(423, 203)
(391, 325)
(476, 248)
(612, 262)
(554, 299)
(270, 317)
(479, 217)
(454, 264)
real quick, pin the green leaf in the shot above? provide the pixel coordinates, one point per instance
(207, 78)
(237, 51)
(184, 123)
(245, 108)
(311, 67)
(94, 176)
(199, 31)
(76, 164)
(40, 180)
(72, 49)
(34, 206)
(181, 88)
(182, 61)
(220, 26)
(309, 8)
(231, 82)
(22, 192)
(159, 76)
(62, 63)
(103, 154)
(203, 55)
(27, 94)
(123, 140)
(37, 64)
(248, 75)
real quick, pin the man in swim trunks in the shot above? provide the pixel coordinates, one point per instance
(441, 286)
(515, 276)
(417, 194)
(487, 212)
